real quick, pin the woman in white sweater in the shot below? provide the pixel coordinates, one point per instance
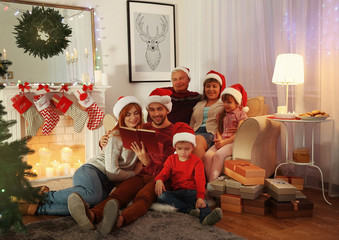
(95, 179)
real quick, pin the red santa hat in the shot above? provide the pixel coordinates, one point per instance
(122, 102)
(183, 132)
(160, 95)
(239, 94)
(217, 76)
(184, 69)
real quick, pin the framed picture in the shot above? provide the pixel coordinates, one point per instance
(151, 41)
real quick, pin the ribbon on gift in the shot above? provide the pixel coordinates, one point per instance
(295, 205)
(43, 86)
(86, 88)
(24, 86)
(241, 165)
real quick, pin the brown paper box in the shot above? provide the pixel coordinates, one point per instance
(245, 180)
(251, 192)
(231, 207)
(245, 168)
(260, 202)
(230, 199)
(218, 185)
(255, 210)
(298, 208)
(279, 186)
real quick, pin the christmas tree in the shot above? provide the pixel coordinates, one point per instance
(15, 187)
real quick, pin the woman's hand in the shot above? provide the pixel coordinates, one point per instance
(104, 139)
(200, 203)
(159, 187)
(141, 153)
(137, 168)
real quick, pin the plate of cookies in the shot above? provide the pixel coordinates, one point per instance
(315, 115)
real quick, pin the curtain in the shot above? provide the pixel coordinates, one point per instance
(242, 38)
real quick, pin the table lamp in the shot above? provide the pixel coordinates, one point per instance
(288, 70)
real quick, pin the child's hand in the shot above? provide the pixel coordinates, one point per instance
(200, 203)
(159, 187)
(141, 153)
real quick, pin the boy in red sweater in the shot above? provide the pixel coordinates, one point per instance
(186, 172)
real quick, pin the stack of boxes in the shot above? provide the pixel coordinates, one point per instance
(241, 191)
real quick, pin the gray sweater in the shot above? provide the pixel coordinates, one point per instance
(115, 161)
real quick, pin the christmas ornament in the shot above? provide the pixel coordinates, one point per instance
(69, 108)
(42, 32)
(95, 114)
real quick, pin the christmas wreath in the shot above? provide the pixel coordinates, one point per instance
(42, 33)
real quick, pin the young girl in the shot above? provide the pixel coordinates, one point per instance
(234, 101)
(186, 173)
(95, 179)
(203, 119)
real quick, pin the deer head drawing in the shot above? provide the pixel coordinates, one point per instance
(152, 55)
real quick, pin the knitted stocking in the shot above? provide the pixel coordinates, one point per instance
(32, 117)
(95, 114)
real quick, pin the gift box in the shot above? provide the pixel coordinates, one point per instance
(218, 185)
(301, 155)
(300, 195)
(292, 209)
(298, 182)
(233, 187)
(280, 190)
(251, 192)
(245, 172)
(231, 203)
(258, 206)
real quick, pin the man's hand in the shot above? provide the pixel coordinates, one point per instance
(159, 187)
(200, 203)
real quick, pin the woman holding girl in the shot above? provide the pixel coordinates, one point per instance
(94, 180)
(203, 120)
(234, 101)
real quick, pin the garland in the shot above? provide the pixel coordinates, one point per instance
(42, 33)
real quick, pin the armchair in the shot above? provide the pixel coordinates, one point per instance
(257, 137)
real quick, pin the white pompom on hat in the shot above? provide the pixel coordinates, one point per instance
(239, 94)
(217, 76)
(183, 132)
(122, 102)
(162, 96)
(184, 69)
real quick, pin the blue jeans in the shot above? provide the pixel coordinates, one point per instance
(209, 137)
(88, 181)
(184, 200)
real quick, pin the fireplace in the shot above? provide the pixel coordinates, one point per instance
(60, 153)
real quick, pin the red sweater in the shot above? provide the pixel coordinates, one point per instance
(164, 136)
(184, 175)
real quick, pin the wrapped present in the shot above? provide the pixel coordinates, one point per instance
(251, 192)
(231, 203)
(299, 195)
(298, 182)
(280, 190)
(258, 206)
(245, 172)
(292, 209)
(218, 185)
(233, 187)
(301, 155)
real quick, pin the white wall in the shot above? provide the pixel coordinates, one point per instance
(114, 45)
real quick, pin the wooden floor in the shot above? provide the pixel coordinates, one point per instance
(324, 224)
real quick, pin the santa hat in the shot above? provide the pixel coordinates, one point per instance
(239, 94)
(183, 132)
(122, 102)
(184, 69)
(160, 95)
(217, 76)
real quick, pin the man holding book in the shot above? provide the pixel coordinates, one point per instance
(138, 189)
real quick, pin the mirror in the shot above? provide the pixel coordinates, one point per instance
(75, 64)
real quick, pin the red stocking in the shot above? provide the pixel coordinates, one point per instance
(95, 114)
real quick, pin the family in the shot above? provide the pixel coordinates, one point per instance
(195, 133)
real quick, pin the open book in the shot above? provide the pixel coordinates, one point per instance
(148, 137)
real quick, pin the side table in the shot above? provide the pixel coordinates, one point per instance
(315, 122)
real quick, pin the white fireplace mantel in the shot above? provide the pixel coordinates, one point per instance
(17, 130)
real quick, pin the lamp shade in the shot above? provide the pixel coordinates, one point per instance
(289, 69)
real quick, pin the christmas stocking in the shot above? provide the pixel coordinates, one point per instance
(51, 118)
(69, 108)
(95, 114)
(32, 117)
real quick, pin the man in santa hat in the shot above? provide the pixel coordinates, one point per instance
(140, 188)
(183, 100)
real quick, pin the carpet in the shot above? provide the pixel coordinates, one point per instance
(153, 226)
